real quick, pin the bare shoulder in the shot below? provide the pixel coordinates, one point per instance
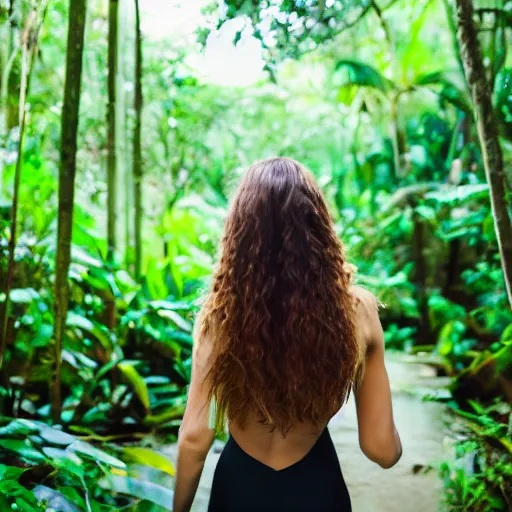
(198, 326)
(201, 341)
(367, 303)
(367, 316)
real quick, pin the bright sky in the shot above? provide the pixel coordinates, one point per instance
(222, 63)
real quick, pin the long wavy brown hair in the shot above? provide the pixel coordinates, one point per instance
(280, 316)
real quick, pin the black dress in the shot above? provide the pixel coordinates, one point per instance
(313, 484)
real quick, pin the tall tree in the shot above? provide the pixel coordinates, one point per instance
(123, 155)
(29, 41)
(70, 115)
(137, 149)
(487, 133)
(111, 127)
(13, 80)
(10, 78)
(113, 19)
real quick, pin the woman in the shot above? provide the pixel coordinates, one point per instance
(282, 339)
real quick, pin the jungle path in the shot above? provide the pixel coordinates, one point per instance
(407, 487)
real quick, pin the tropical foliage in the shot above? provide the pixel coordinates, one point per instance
(371, 95)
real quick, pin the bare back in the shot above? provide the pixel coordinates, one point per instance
(278, 452)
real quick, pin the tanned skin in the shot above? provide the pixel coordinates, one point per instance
(378, 436)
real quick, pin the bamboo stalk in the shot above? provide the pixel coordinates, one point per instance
(69, 131)
(29, 49)
(137, 143)
(111, 127)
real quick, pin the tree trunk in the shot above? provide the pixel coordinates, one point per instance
(8, 84)
(4, 102)
(394, 135)
(420, 278)
(14, 78)
(13, 94)
(111, 149)
(29, 49)
(450, 16)
(12, 242)
(137, 149)
(128, 200)
(487, 133)
(111, 127)
(123, 155)
(70, 116)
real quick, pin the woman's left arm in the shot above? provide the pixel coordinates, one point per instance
(195, 437)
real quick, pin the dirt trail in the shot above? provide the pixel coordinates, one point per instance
(373, 489)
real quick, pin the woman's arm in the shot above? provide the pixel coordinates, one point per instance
(378, 437)
(195, 438)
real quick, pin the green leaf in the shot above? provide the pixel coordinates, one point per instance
(74, 496)
(10, 472)
(134, 378)
(18, 427)
(176, 319)
(105, 369)
(54, 499)
(364, 75)
(454, 96)
(506, 335)
(96, 279)
(43, 336)
(449, 336)
(54, 436)
(462, 193)
(65, 459)
(140, 489)
(173, 412)
(86, 325)
(155, 281)
(150, 458)
(426, 212)
(113, 286)
(152, 332)
(79, 255)
(97, 414)
(23, 498)
(23, 295)
(5, 504)
(86, 449)
(23, 449)
(431, 78)
(347, 94)
(418, 155)
(182, 337)
(170, 305)
(503, 102)
(450, 87)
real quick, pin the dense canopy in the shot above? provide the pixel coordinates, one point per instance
(123, 131)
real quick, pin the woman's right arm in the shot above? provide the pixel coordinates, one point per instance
(378, 436)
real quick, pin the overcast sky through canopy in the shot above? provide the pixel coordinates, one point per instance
(221, 63)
